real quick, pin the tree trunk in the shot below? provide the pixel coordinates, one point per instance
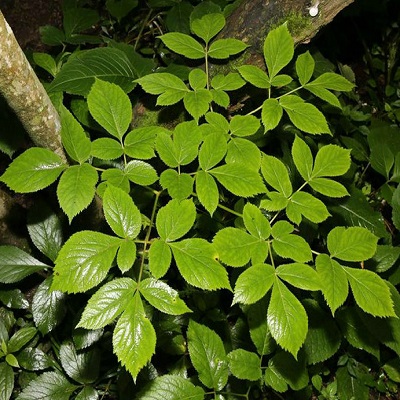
(26, 95)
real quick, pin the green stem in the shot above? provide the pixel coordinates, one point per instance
(145, 22)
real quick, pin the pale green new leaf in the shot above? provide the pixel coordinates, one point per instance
(107, 303)
(126, 255)
(197, 102)
(106, 149)
(302, 158)
(287, 319)
(224, 48)
(305, 65)
(121, 213)
(332, 81)
(48, 386)
(159, 258)
(278, 49)
(171, 387)
(331, 160)
(281, 80)
(230, 81)
(324, 94)
(245, 152)
(208, 26)
(253, 283)
(16, 264)
(212, 151)
(207, 191)
(234, 246)
(281, 228)
(76, 189)
(299, 275)
(328, 187)
(239, 179)
(163, 297)
(244, 125)
(84, 261)
(254, 75)
(134, 338)
(208, 356)
(305, 204)
(276, 174)
(304, 116)
(183, 44)
(196, 262)
(197, 79)
(333, 279)
(179, 185)
(33, 170)
(110, 107)
(293, 247)
(175, 219)
(351, 244)
(370, 292)
(140, 172)
(245, 364)
(271, 114)
(255, 222)
(73, 137)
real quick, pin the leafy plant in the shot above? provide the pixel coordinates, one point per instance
(220, 269)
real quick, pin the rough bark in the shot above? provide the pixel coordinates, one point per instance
(23, 91)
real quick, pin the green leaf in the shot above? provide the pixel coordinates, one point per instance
(120, 9)
(218, 123)
(140, 172)
(12, 360)
(287, 319)
(177, 18)
(328, 187)
(323, 337)
(253, 283)
(324, 94)
(196, 261)
(208, 26)
(333, 278)
(274, 379)
(276, 174)
(110, 107)
(382, 159)
(76, 189)
(212, 151)
(74, 139)
(220, 98)
(245, 364)
(231, 81)
(299, 275)
(292, 246)
(33, 170)
(255, 222)
(331, 160)
(303, 203)
(197, 102)
(224, 48)
(84, 261)
(163, 297)
(187, 145)
(305, 65)
(271, 114)
(349, 386)
(332, 81)
(78, 74)
(48, 386)
(47, 62)
(304, 116)
(302, 157)
(134, 338)
(282, 228)
(167, 149)
(351, 244)
(140, 142)
(121, 213)
(243, 151)
(276, 202)
(51, 35)
(183, 44)
(106, 149)
(175, 219)
(370, 292)
(207, 191)
(278, 49)
(126, 255)
(20, 339)
(14, 298)
(384, 258)
(208, 356)
(179, 186)
(48, 307)
(107, 303)
(171, 387)
(244, 125)
(255, 75)
(234, 246)
(6, 381)
(197, 79)
(281, 80)
(17, 265)
(82, 367)
(114, 177)
(239, 179)
(87, 393)
(159, 258)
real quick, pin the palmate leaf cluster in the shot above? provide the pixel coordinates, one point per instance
(197, 210)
